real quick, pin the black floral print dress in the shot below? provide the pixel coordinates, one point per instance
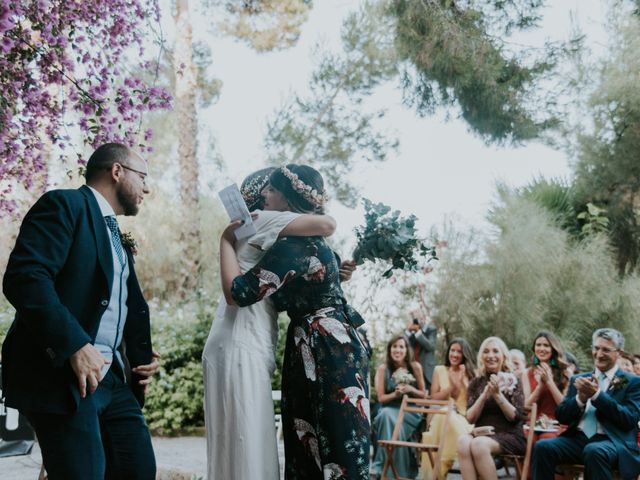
(325, 391)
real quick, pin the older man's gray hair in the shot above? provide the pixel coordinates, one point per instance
(609, 334)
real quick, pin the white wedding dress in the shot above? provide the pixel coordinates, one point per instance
(238, 361)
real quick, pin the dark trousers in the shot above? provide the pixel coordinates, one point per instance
(598, 455)
(106, 438)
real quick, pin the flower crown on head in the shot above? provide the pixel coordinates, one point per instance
(310, 194)
(252, 190)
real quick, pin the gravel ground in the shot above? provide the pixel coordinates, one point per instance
(179, 458)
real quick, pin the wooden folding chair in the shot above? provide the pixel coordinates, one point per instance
(522, 462)
(434, 451)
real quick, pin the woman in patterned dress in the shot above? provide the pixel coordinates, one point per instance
(239, 356)
(325, 392)
(494, 399)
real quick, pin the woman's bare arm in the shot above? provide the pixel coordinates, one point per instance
(310, 226)
(229, 266)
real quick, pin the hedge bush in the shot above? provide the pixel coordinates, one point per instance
(174, 401)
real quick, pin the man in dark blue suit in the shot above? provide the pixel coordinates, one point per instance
(602, 410)
(78, 355)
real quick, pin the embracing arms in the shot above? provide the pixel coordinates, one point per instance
(308, 225)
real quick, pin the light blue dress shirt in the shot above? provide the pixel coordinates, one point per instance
(111, 327)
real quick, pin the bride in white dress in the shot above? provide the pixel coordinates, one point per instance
(239, 356)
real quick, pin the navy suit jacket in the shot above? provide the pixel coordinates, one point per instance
(617, 410)
(59, 279)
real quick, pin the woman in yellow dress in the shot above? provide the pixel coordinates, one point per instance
(450, 381)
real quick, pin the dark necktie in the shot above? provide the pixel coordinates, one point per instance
(112, 223)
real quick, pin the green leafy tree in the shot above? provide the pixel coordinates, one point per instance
(457, 54)
(607, 146)
(558, 197)
(330, 128)
(530, 275)
(446, 54)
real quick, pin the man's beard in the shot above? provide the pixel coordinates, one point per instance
(127, 200)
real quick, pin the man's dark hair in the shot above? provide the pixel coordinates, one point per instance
(104, 157)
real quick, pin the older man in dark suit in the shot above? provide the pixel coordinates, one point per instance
(602, 410)
(81, 325)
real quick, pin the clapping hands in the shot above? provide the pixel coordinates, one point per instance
(493, 385)
(543, 373)
(586, 387)
(457, 380)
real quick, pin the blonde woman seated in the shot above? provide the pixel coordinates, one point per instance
(495, 402)
(399, 376)
(450, 381)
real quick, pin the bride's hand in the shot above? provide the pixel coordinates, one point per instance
(228, 233)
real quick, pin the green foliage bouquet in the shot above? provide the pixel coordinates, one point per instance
(389, 237)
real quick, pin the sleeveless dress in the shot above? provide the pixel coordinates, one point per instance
(325, 391)
(238, 361)
(508, 434)
(458, 425)
(383, 425)
(546, 406)
(546, 403)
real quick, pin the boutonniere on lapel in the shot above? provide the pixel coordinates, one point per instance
(129, 242)
(617, 383)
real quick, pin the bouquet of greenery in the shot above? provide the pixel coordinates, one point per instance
(388, 236)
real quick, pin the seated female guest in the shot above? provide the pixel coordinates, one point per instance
(450, 381)
(546, 382)
(495, 402)
(399, 376)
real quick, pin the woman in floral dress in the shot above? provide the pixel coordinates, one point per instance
(239, 356)
(325, 404)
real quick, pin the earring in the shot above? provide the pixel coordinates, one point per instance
(536, 360)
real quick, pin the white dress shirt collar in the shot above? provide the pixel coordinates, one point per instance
(105, 207)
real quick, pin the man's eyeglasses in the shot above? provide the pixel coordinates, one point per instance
(606, 350)
(142, 175)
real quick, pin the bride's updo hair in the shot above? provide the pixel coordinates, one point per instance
(252, 186)
(302, 186)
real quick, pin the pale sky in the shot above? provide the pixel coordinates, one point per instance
(440, 170)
